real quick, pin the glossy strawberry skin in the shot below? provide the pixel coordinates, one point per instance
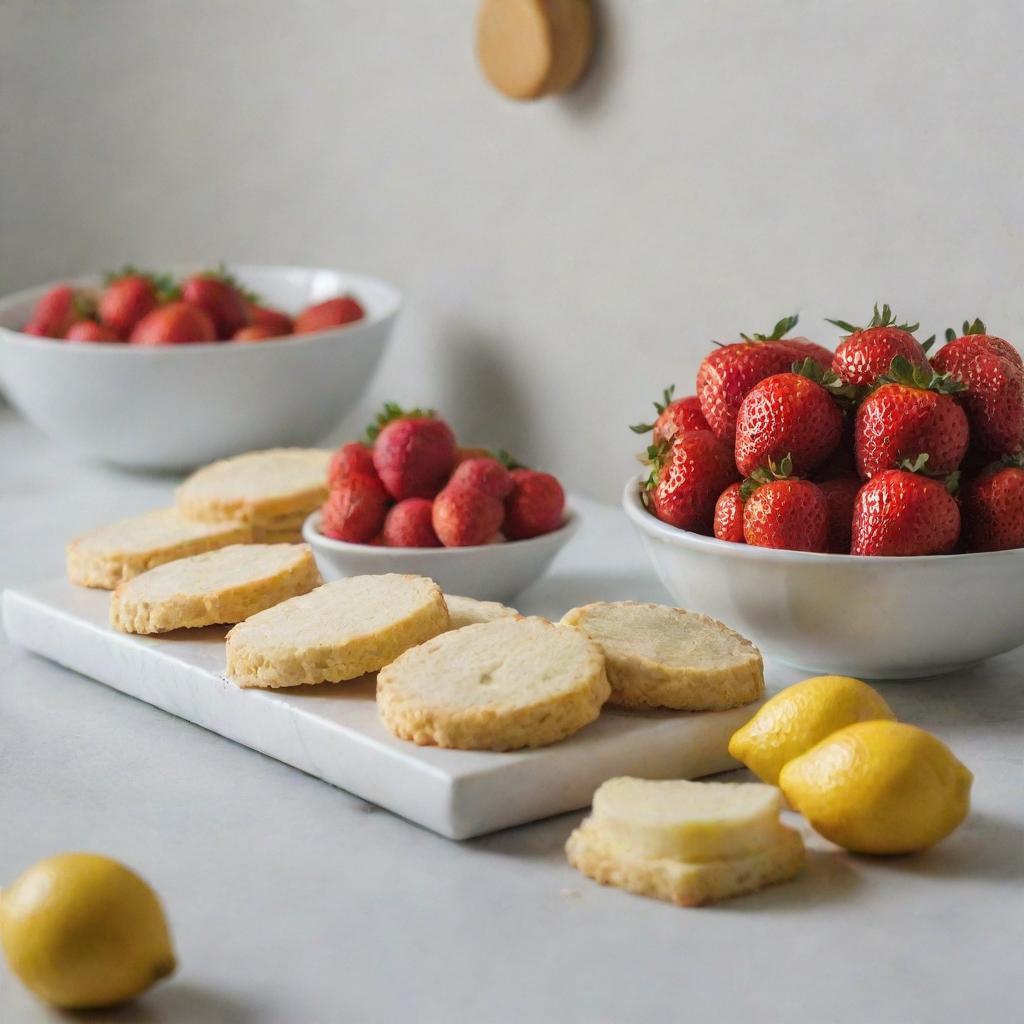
(727, 375)
(840, 495)
(222, 302)
(466, 517)
(414, 456)
(901, 513)
(789, 514)
(787, 414)
(682, 414)
(54, 313)
(409, 524)
(865, 356)
(351, 458)
(994, 510)
(125, 301)
(956, 354)
(697, 469)
(355, 509)
(89, 330)
(534, 506)
(485, 474)
(326, 315)
(179, 323)
(728, 520)
(899, 422)
(270, 319)
(807, 349)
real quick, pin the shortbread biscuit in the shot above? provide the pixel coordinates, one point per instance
(277, 487)
(686, 884)
(661, 657)
(495, 686)
(686, 842)
(216, 587)
(468, 611)
(340, 631)
(112, 554)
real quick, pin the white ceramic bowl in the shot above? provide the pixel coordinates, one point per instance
(880, 618)
(174, 407)
(490, 572)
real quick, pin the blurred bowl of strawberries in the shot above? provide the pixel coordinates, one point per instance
(858, 511)
(166, 371)
(407, 498)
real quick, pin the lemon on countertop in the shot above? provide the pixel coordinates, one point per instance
(879, 787)
(800, 716)
(81, 930)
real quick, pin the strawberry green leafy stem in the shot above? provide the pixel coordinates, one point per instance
(902, 371)
(779, 331)
(847, 395)
(393, 411)
(919, 466)
(969, 328)
(782, 470)
(166, 288)
(509, 461)
(666, 401)
(885, 318)
(221, 273)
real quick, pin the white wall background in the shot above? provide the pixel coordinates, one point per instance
(726, 162)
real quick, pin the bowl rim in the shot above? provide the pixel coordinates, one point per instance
(393, 305)
(644, 520)
(312, 535)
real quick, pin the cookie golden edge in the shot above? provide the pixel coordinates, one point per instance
(642, 683)
(106, 571)
(296, 666)
(497, 728)
(229, 605)
(681, 883)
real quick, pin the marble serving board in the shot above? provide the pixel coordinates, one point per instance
(334, 733)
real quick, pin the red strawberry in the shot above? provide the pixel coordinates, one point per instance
(355, 509)
(220, 296)
(413, 452)
(789, 413)
(326, 315)
(487, 475)
(174, 324)
(89, 330)
(674, 416)
(129, 295)
(255, 332)
(535, 505)
(728, 522)
(912, 412)
(807, 349)
(994, 391)
(348, 460)
(409, 524)
(687, 477)
(272, 319)
(58, 309)
(840, 495)
(994, 507)
(465, 517)
(783, 511)
(727, 374)
(902, 512)
(868, 352)
(958, 351)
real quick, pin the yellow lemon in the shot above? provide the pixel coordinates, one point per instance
(800, 716)
(82, 931)
(879, 787)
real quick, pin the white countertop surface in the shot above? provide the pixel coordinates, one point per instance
(294, 903)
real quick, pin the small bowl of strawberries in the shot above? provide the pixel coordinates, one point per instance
(409, 499)
(165, 371)
(857, 511)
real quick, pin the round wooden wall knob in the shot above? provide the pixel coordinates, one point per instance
(534, 48)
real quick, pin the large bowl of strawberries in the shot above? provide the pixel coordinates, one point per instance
(409, 499)
(858, 511)
(168, 371)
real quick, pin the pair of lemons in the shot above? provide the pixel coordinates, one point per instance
(863, 780)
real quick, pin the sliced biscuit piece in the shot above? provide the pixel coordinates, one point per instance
(112, 554)
(495, 686)
(661, 657)
(221, 586)
(275, 487)
(686, 842)
(468, 611)
(340, 631)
